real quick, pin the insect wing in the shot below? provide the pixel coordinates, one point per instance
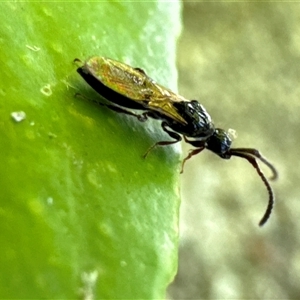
(117, 76)
(162, 101)
(135, 85)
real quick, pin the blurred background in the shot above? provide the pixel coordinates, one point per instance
(242, 62)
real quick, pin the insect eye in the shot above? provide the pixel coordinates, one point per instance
(219, 143)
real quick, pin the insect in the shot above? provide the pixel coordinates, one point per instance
(131, 88)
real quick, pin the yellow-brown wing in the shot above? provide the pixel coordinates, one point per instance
(136, 85)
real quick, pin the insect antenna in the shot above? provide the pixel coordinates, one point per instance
(250, 155)
(257, 154)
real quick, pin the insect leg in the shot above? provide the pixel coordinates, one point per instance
(77, 60)
(191, 153)
(141, 117)
(172, 134)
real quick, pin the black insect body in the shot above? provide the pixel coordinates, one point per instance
(131, 88)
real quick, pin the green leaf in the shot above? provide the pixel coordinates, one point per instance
(83, 215)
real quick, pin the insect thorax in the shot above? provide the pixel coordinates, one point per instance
(198, 121)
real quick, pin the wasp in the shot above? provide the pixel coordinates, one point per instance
(131, 88)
